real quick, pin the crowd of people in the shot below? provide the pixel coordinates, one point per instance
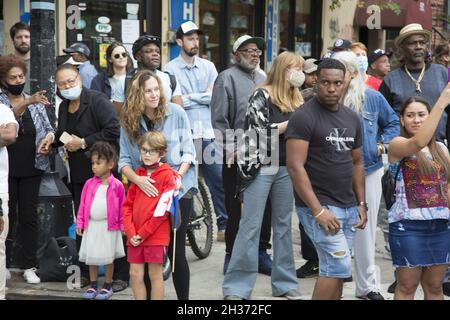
(311, 136)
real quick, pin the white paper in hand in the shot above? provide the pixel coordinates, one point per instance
(65, 137)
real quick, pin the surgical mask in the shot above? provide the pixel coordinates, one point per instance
(15, 89)
(72, 93)
(363, 64)
(297, 78)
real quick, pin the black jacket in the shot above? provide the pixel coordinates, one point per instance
(101, 83)
(96, 121)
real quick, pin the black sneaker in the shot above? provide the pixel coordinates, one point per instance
(391, 288)
(446, 288)
(264, 262)
(309, 270)
(372, 295)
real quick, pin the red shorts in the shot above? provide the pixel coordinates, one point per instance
(146, 254)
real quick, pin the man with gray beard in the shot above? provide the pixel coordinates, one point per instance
(229, 103)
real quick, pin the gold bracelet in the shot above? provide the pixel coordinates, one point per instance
(321, 211)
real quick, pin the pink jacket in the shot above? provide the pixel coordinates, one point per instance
(115, 196)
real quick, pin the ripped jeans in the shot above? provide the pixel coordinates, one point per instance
(333, 250)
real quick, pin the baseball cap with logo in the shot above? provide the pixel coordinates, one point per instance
(79, 48)
(243, 40)
(378, 53)
(187, 28)
(310, 66)
(340, 45)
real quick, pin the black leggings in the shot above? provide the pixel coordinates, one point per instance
(23, 199)
(181, 276)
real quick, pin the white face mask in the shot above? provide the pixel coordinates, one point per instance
(297, 78)
(363, 63)
(72, 93)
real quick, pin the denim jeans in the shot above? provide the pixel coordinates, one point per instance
(210, 158)
(327, 245)
(243, 268)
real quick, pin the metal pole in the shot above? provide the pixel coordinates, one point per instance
(42, 64)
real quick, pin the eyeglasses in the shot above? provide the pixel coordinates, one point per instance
(149, 152)
(69, 82)
(123, 54)
(251, 51)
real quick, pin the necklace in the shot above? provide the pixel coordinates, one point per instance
(417, 82)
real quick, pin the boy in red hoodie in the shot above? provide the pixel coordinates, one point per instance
(146, 219)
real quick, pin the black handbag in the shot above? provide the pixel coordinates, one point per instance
(59, 255)
(388, 186)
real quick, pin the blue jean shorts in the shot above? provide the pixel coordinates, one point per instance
(419, 243)
(327, 245)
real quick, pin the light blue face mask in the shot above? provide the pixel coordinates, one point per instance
(72, 93)
(363, 64)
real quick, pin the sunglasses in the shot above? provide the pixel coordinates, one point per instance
(123, 54)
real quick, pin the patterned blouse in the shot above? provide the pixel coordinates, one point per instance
(43, 128)
(419, 196)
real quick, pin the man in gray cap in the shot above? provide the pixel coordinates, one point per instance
(80, 53)
(229, 103)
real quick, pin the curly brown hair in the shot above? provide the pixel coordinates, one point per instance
(7, 63)
(134, 106)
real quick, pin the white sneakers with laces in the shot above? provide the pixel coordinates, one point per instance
(30, 276)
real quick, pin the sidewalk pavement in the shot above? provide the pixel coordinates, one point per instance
(206, 279)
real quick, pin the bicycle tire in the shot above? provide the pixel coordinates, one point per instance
(204, 201)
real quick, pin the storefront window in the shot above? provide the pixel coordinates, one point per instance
(303, 33)
(103, 22)
(209, 24)
(242, 19)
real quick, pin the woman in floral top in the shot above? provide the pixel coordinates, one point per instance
(418, 221)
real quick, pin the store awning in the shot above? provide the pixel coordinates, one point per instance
(410, 11)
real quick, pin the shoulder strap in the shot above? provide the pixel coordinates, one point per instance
(398, 170)
(173, 81)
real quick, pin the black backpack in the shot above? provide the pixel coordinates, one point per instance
(59, 254)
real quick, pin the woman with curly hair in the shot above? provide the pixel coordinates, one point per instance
(27, 160)
(145, 110)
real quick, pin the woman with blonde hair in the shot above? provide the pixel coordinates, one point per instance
(263, 176)
(145, 110)
(380, 125)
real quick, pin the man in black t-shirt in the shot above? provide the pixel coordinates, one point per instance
(326, 166)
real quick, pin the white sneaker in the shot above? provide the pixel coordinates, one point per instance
(8, 274)
(30, 276)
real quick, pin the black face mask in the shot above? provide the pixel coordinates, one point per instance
(15, 89)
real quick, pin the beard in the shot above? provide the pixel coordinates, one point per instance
(23, 49)
(246, 64)
(191, 53)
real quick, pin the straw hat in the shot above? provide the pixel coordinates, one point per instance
(409, 30)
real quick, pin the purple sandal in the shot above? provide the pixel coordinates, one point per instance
(104, 294)
(90, 294)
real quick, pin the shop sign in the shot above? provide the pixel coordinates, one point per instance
(103, 28)
(303, 48)
(180, 11)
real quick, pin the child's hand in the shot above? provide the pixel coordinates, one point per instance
(79, 232)
(136, 240)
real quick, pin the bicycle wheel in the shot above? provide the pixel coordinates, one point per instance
(200, 228)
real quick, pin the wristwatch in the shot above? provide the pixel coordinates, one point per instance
(363, 204)
(83, 144)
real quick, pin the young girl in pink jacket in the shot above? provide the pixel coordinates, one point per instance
(100, 220)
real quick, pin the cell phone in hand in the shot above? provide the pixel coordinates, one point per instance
(65, 137)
